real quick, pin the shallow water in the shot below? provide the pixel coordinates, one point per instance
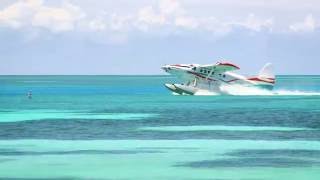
(131, 127)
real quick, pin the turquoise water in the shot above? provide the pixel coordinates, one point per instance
(131, 127)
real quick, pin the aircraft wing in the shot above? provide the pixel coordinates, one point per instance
(221, 67)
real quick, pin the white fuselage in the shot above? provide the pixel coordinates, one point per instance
(204, 78)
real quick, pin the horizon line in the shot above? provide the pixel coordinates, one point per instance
(129, 75)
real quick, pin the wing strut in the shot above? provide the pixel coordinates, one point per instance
(213, 67)
(195, 82)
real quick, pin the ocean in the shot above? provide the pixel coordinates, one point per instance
(132, 127)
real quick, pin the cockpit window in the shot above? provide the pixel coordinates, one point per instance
(194, 68)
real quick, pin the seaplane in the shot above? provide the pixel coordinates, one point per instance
(212, 77)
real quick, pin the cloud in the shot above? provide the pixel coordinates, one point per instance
(161, 15)
(97, 24)
(35, 13)
(257, 24)
(186, 22)
(165, 17)
(57, 19)
(147, 15)
(308, 25)
(170, 7)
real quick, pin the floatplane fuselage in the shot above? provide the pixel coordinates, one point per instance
(213, 76)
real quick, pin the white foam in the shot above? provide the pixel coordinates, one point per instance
(206, 93)
(244, 90)
(241, 90)
(296, 93)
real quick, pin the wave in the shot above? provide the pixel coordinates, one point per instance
(34, 81)
(224, 128)
(32, 115)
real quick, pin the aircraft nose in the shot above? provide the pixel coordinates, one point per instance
(165, 68)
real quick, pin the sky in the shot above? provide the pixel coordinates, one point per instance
(94, 37)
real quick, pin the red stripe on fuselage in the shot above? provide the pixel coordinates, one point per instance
(179, 65)
(199, 75)
(232, 80)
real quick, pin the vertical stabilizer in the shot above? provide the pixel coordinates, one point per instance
(267, 72)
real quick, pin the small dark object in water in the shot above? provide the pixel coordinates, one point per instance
(29, 95)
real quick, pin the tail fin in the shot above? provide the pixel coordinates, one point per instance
(267, 72)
